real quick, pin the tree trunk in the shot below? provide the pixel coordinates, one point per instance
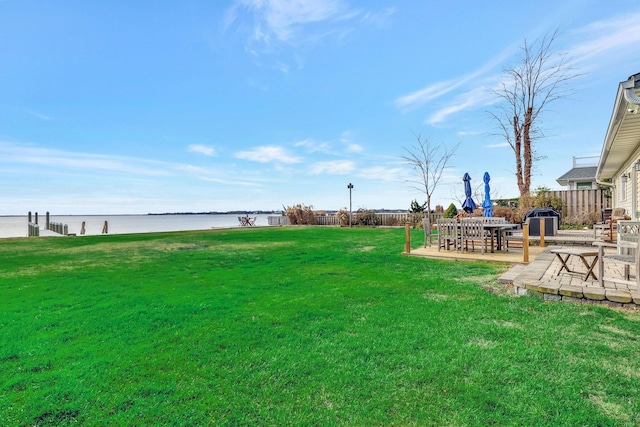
(517, 148)
(527, 155)
(426, 223)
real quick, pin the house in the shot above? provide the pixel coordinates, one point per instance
(619, 165)
(582, 176)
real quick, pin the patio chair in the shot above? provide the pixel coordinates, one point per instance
(472, 231)
(611, 229)
(447, 233)
(500, 234)
(631, 259)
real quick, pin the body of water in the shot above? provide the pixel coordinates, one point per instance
(16, 226)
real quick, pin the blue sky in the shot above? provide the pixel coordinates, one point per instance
(173, 106)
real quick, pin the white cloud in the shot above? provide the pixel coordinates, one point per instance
(266, 154)
(282, 19)
(467, 133)
(48, 160)
(464, 102)
(314, 146)
(60, 159)
(352, 147)
(436, 90)
(38, 115)
(417, 99)
(337, 167)
(592, 46)
(498, 145)
(383, 173)
(275, 26)
(603, 36)
(202, 149)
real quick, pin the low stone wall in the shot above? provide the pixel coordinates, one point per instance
(577, 294)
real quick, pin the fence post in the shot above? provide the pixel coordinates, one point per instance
(525, 243)
(407, 240)
(542, 227)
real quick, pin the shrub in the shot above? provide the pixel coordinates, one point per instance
(367, 217)
(301, 215)
(451, 211)
(582, 219)
(343, 217)
(417, 207)
(507, 212)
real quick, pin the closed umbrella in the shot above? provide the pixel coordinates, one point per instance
(469, 205)
(488, 207)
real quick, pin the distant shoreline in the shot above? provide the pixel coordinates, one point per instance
(236, 212)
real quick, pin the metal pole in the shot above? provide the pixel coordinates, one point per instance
(350, 187)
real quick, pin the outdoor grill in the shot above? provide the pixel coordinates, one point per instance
(542, 212)
(533, 219)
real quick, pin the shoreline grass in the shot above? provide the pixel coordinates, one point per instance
(295, 326)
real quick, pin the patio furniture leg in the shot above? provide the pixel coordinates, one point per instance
(564, 264)
(590, 267)
(601, 266)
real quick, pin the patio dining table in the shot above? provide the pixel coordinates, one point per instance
(247, 221)
(497, 231)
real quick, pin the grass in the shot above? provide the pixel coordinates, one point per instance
(295, 326)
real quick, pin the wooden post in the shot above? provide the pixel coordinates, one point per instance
(407, 240)
(36, 217)
(542, 226)
(46, 227)
(29, 220)
(525, 243)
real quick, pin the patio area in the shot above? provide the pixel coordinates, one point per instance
(539, 277)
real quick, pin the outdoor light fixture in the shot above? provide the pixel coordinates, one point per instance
(624, 178)
(633, 108)
(636, 166)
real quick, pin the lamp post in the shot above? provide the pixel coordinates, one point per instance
(350, 187)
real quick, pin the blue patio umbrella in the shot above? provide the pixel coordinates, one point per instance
(487, 205)
(469, 205)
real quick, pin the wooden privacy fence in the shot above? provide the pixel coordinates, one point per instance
(581, 203)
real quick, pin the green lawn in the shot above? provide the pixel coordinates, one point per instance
(295, 326)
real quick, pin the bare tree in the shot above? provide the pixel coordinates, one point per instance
(477, 192)
(539, 79)
(428, 162)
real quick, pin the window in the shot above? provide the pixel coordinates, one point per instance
(583, 186)
(623, 188)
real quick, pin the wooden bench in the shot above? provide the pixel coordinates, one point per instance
(580, 253)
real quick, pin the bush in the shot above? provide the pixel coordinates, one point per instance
(507, 212)
(343, 217)
(582, 219)
(367, 217)
(451, 211)
(301, 215)
(417, 207)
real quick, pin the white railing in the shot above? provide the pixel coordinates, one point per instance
(384, 219)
